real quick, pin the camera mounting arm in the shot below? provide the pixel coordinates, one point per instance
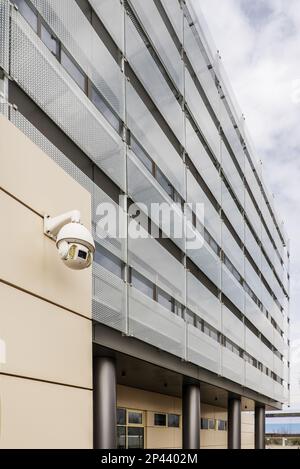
(52, 225)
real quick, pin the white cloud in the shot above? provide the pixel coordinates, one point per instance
(259, 44)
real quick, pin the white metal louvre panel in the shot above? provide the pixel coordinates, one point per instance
(162, 40)
(203, 350)
(42, 77)
(111, 13)
(79, 38)
(4, 34)
(102, 234)
(109, 299)
(154, 324)
(151, 260)
(202, 302)
(145, 128)
(145, 190)
(233, 366)
(148, 72)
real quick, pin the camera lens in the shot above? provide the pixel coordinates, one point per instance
(82, 254)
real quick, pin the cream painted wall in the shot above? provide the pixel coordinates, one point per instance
(248, 430)
(45, 308)
(165, 438)
(42, 415)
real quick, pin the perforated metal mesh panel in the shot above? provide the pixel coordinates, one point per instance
(233, 367)
(4, 110)
(145, 190)
(74, 30)
(50, 86)
(108, 234)
(4, 34)
(108, 299)
(152, 323)
(151, 260)
(203, 350)
(253, 378)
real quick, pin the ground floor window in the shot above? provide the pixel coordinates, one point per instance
(130, 429)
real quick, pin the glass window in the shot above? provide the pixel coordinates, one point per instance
(236, 350)
(204, 424)
(179, 309)
(121, 416)
(163, 181)
(121, 437)
(27, 12)
(222, 425)
(190, 318)
(107, 260)
(105, 109)
(210, 332)
(135, 436)
(49, 40)
(160, 420)
(142, 155)
(165, 300)
(135, 418)
(74, 71)
(142, 284)
(199, 323)
(173, 420)
(211, 424)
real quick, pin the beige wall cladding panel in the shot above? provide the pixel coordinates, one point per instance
(132, 398)
(247, 440)
(35, 179)
(163, 438)
(42, 415)
(44, 341)
(213, 438)
(213, 412)
(30, 260)
(247, 430)
(248, 418)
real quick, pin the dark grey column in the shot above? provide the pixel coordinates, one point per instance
(260, 425)
(191, 416)
(105, 403)
(234, 423)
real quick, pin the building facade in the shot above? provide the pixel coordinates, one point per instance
(129, 99)
(283, 430)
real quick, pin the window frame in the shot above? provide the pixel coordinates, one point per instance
(43, 24)
(105, 253)
(64, 51)
(160, 414)
(173, 415)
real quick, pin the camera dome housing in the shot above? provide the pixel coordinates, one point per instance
(76, 246)
(74, 242)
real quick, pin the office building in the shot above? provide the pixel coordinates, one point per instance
(125, 104)
(283, 430)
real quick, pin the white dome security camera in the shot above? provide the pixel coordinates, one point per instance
(74, 242)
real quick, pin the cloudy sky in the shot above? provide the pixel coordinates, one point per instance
(259, 42)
